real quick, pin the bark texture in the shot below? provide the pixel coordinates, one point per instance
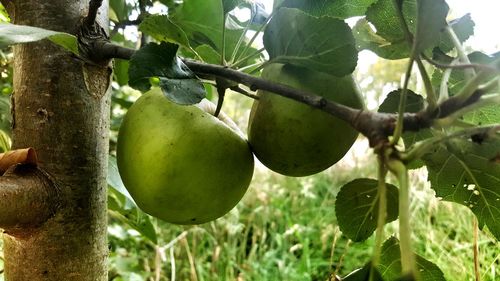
(61, 108)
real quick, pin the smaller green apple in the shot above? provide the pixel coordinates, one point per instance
(294, 139)
(180, 163)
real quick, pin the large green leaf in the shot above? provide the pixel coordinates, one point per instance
(356, 208)
(341, 9)
(11, 34)
(367, 38)
(122, 207)
(431, 20)
(119, 208)
(383, 15)
(484, 116)
(463, 28)
(390, 264)
(161, 28)
(177, 82)
(202, 21)
(465, 172)
(323, 44)
(389, 40)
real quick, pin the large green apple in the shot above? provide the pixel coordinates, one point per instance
(180, 163)
(295, 139)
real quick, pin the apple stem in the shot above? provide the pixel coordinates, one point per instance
(221, 91)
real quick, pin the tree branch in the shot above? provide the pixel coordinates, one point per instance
(28, 197)
(376, 126)
(94, 5)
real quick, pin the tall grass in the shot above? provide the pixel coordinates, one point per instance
(285, 229)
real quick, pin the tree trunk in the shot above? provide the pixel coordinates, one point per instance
(61, 108)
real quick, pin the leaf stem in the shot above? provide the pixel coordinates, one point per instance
(244, 59)
(249, 44)
(443, 89)
(408, 264)
(223, 51)
(382, 215)
(429, 89)
(469, 73)
(242, 37)
(402, 102)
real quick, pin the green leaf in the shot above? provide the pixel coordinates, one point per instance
(4, 142)
(463, 28)
(120, 9)
(367, 38)
(390, 264)
(431, 20)
(383, 15)
(135, 218)
(4, 16)
(341, 9)
(114, 180)
(202, 22)
(414, 103)
(208, 54)
(294, 37)
(11, 34)
(484, 116)
(356, 208)
(390, 41)
(5, 115)
(458, 78)
(177, 82)
(120, 71)
(465, 172)
(161, 28)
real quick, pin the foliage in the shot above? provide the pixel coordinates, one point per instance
(458, 143)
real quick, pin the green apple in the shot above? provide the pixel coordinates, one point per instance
(295, 139)
(180, 163)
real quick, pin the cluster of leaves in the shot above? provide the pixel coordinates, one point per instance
(313, 35)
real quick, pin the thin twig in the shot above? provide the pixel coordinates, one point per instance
(458, 65)
(238, 89)
(382, 212)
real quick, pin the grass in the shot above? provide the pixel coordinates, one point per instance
(285, 229)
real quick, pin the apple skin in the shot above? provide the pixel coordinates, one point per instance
(180, 163)
(294, 139)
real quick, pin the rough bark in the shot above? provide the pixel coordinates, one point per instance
(61, 108)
